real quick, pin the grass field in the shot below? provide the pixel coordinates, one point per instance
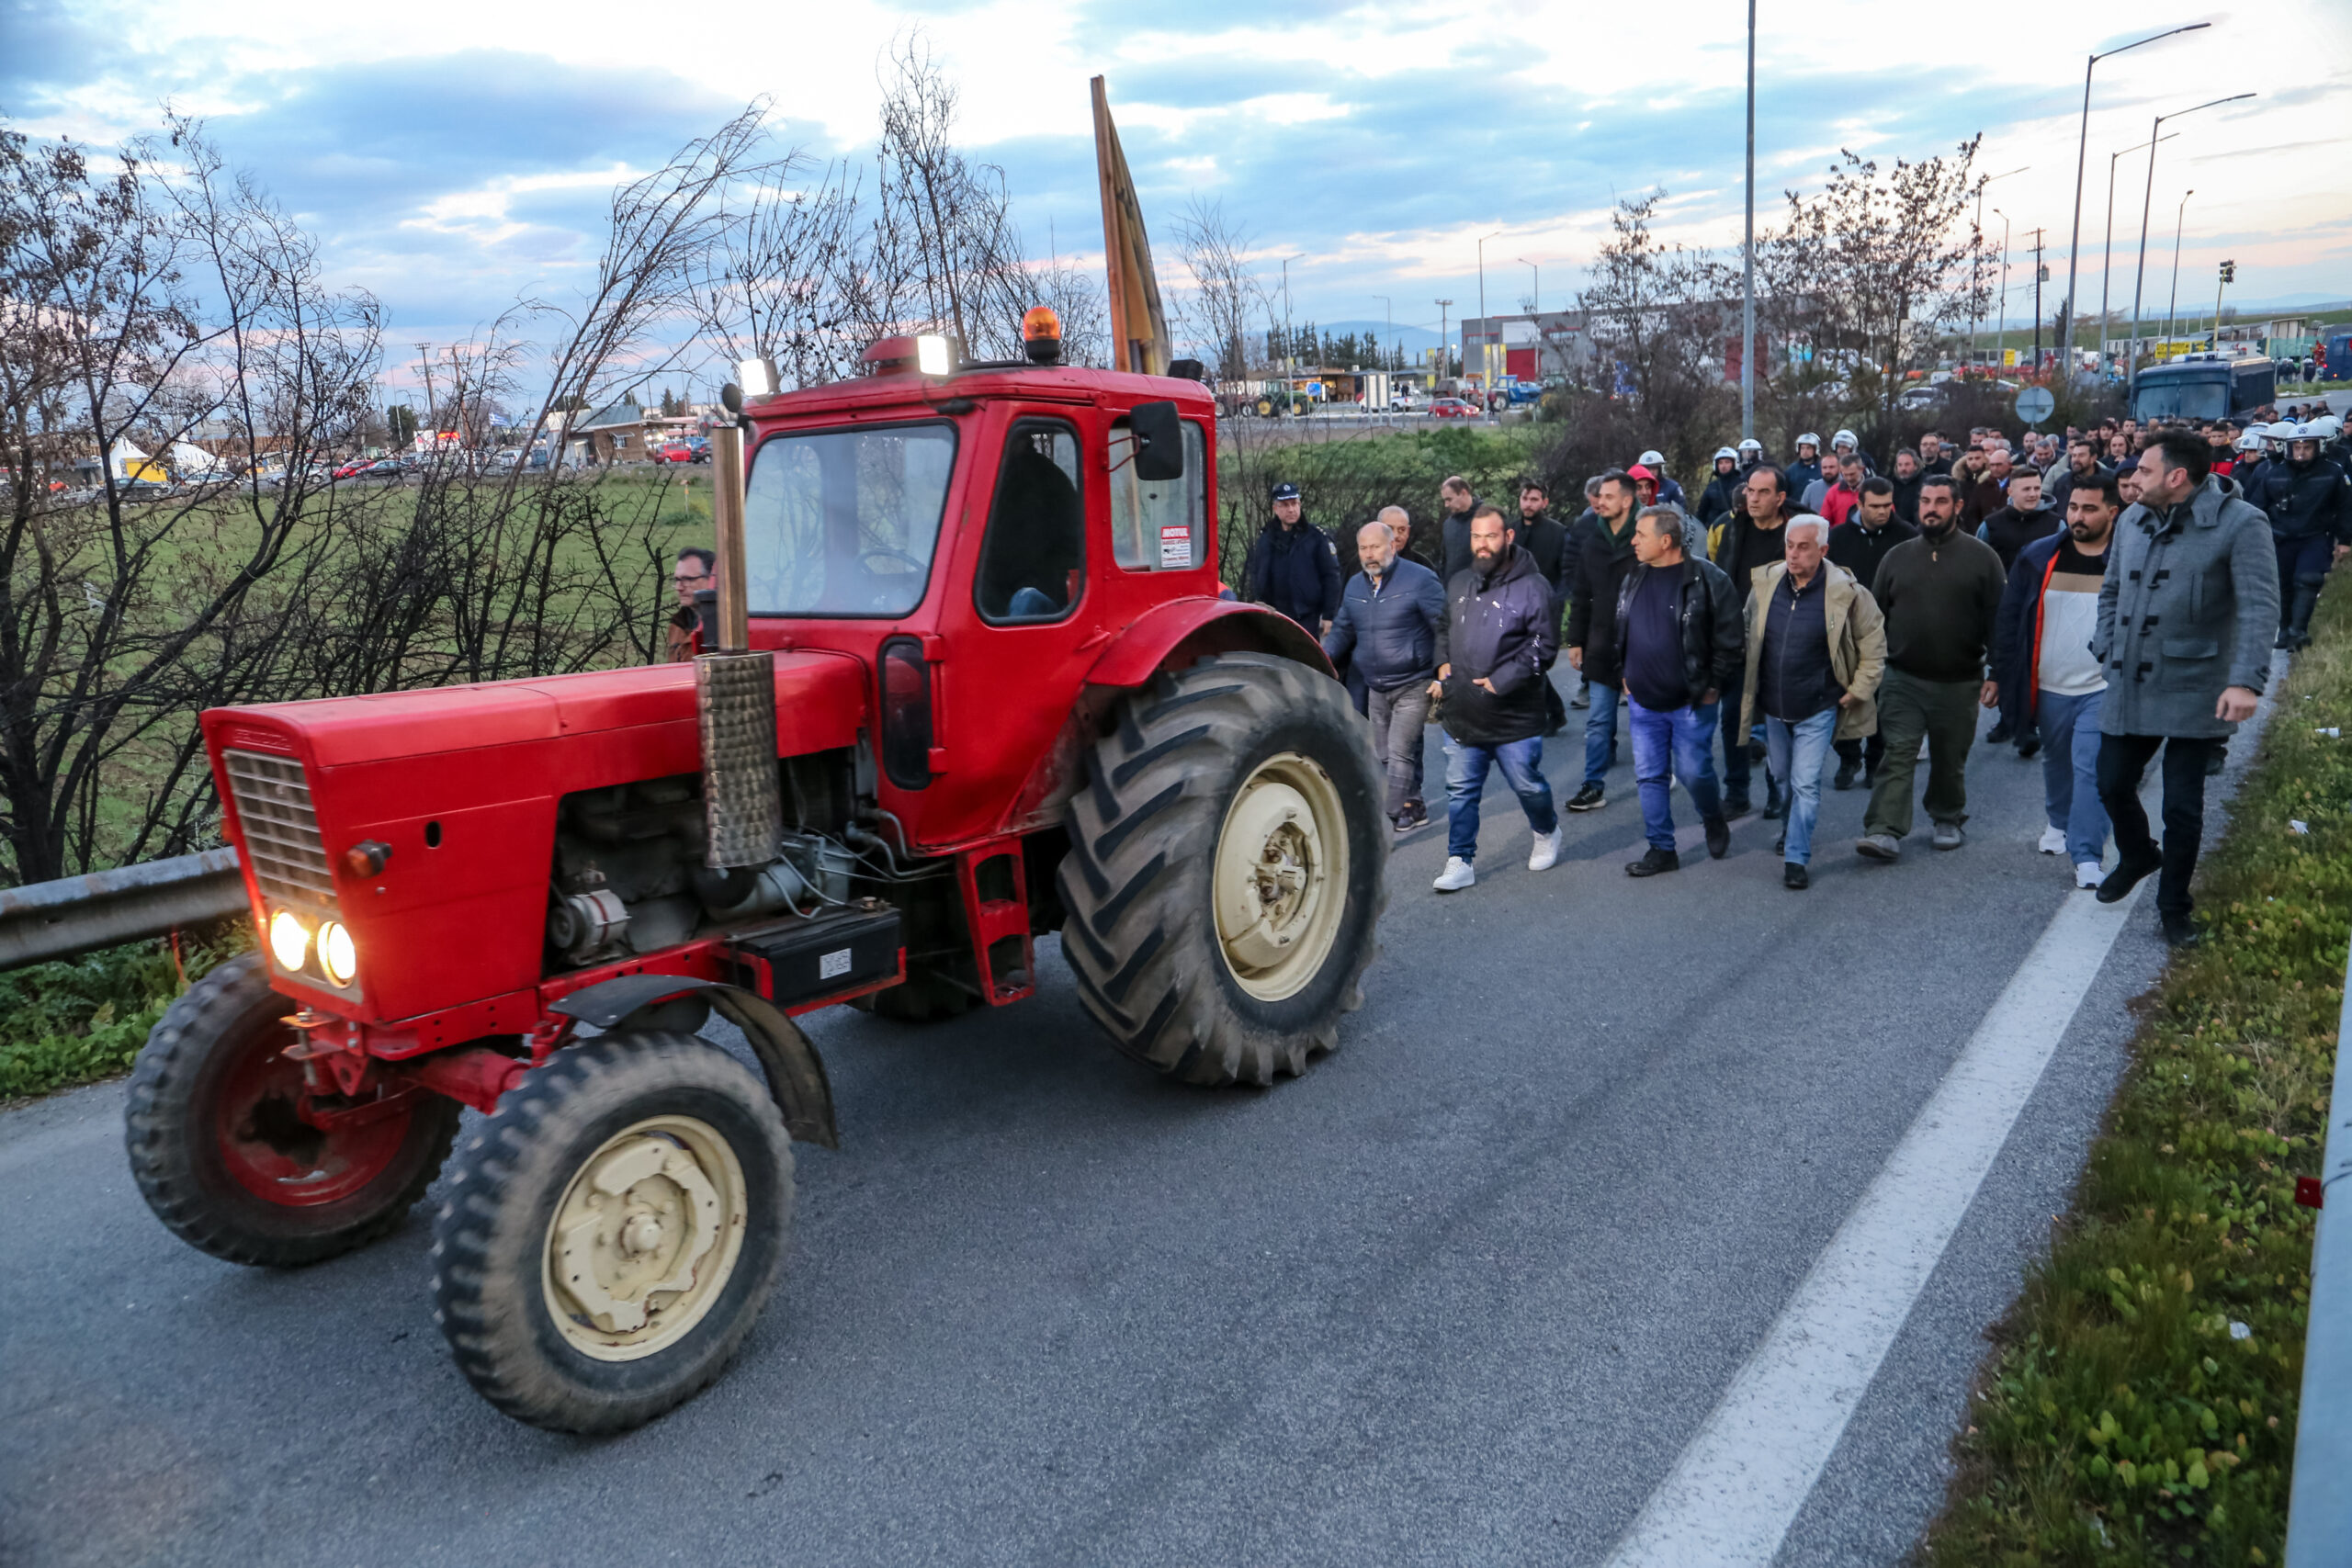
(2141, 1406)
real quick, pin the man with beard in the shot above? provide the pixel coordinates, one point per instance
(1933, 457)
(1907, 475)
(1941, 596)
(1680, 644)
(1387, 633)
(2083, 466)
(1455, 503)
(2049, 674)
(1858, 547)
(1400, 527)
(2008, 530)
(1492, 647)
(1750, 541)
(1546, 537)
(1604, 555)
(2191, 589)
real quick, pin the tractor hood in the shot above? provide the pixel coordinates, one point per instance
(820, 704)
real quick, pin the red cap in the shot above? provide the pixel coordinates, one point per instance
(1638, 472)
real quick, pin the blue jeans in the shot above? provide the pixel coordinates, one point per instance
(1684, 736)
(1465, 782)
(1795, 752)
(2070, 773)
(1600, 732)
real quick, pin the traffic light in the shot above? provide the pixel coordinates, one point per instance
(2229, 272)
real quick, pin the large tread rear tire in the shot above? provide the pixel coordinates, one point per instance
(494, 1287)
(1143, 937)
(188, 1142)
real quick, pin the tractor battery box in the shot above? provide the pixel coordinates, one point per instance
(824, 956)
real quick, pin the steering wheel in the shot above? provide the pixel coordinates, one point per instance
(889, 554)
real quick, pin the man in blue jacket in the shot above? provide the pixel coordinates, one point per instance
(1295, 567)
(1387, 627)
(1497, 637)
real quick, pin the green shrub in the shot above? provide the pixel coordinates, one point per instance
(82, 1020)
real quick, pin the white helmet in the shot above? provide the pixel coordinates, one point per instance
(1810, 439)
(2327, 427)
(1844, 438)
(1751, 444)
(1723, 452)
(2249, 442)
(1653, 459)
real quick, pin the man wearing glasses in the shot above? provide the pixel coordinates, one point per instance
(696, 585)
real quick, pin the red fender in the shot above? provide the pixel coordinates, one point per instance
(1191, 628)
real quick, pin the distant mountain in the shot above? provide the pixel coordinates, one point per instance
(1414, 339)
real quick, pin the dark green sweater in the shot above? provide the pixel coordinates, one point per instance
(1942, 598)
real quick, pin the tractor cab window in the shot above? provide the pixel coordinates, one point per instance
(1033, 558)
(1157, 524)
(843, 522)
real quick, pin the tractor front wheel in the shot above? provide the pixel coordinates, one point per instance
(613, 1232)
(1226, 870)
(223, 1154)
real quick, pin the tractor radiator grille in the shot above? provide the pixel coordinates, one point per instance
(282, 842)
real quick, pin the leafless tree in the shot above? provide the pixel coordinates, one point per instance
(773, 288)
(1657, 320)
(1214, 317)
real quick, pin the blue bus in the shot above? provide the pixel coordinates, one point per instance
(2205, 386)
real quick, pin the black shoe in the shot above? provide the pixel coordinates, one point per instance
(1845, 779)
(2126, 875)
(1415, 815)
(2179, 930)
(2028, 747)
(1756, 750)
(2001, 733)
(1781, 844)
(1718, 838)
(1869, 778)
(1653, 862)
(1592, 797)
(2214, 763)
(1736, 807)
(1776, 806)
(1794, 877)
(2286, 638)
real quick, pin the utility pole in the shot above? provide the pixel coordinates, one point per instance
(2041, 275)
(1974, 269)
(2140, 273)
(2081, 144)
(2001, 345)
(2173, 300)
(423, 357)
(1442, 307)
(1748, 257)
(1486, 339)
(1290, 340)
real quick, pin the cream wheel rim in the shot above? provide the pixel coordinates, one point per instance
(1281, 876)
(645, 1238)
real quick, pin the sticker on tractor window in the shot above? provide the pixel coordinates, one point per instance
(1176, 546)
(833, 965)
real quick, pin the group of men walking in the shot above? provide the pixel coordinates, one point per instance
(2132, 619)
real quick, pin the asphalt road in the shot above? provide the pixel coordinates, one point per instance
(1462, 1293)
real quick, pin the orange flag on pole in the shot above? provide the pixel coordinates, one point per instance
(1138, 326)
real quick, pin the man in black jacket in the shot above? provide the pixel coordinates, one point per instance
(2083, 466)
(2008, 529)
(1715, 501)
(1752, 541)
(1455, 503)
(1492, 648)
(1294, 567)
(1682, 646)
(2305, 496)
(1546, 537)
(1604, 555)
(1386, 631)
(1858, 546)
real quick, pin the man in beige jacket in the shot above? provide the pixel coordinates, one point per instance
(1817, 648)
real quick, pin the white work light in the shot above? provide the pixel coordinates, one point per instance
(338, 954)
(756, 376)
(289, 939)
(931, 355)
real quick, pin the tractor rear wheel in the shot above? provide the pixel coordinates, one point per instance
(221, 1152)
(1226, 870)
(613, 1232)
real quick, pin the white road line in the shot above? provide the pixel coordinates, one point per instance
(1732, 1497)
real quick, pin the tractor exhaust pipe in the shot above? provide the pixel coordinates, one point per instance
(735, 692)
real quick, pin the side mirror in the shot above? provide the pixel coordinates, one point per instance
(1159, 441)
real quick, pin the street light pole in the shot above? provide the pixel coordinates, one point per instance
(2107, 256)
(1392, 320)
(2081, 144)
(2171, 301)
(2001, 322)
(1442, 307)
(1977, 319)
(1486, 330)
(1748, 257)
(2139, 272)
(1535, 306)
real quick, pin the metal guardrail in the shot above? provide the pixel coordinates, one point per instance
(2319, 1508)
(82, 914)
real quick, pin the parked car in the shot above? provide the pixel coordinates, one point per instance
(1451, 407)
(683, 452)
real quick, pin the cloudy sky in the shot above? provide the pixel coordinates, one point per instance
(455, 156)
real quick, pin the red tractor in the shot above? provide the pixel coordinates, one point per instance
(976, 685)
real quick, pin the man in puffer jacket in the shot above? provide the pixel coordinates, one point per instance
(1497, 639)
(1388, 621)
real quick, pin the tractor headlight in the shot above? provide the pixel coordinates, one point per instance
(289, 939)
(338, 954)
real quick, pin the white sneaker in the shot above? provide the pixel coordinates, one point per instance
(2088, 873)
(1456, 876)
(2053, 841)
(1546, 850)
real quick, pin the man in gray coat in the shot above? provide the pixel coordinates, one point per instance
(2186, 616)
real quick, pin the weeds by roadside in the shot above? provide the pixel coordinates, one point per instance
(2141, 1407)
(75, 1023)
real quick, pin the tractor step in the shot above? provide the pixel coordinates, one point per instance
(796, 961)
